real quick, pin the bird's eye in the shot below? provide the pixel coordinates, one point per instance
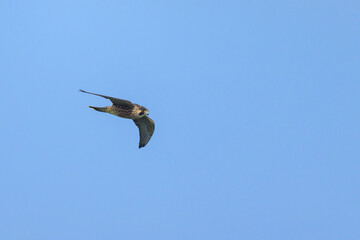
(141, 113)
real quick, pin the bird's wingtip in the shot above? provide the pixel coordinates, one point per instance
(80, 90)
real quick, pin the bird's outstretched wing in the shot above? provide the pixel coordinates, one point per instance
(115, 101)
(146, 128)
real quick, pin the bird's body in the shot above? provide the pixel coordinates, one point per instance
(126, 112)
(126, 109)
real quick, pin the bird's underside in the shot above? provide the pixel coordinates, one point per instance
(126, 109)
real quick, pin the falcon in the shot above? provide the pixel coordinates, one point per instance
(126, 109)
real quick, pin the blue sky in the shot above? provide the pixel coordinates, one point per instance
(256, 105)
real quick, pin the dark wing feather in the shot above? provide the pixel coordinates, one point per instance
(115, 101)
(146, 128)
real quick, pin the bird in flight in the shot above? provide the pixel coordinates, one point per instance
(126, 109)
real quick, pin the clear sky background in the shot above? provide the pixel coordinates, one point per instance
(256, 105)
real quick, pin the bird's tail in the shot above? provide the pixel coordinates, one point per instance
(100, 109)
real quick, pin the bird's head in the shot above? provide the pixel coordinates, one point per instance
(143, 111)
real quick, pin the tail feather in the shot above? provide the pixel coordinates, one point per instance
(100, 109)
